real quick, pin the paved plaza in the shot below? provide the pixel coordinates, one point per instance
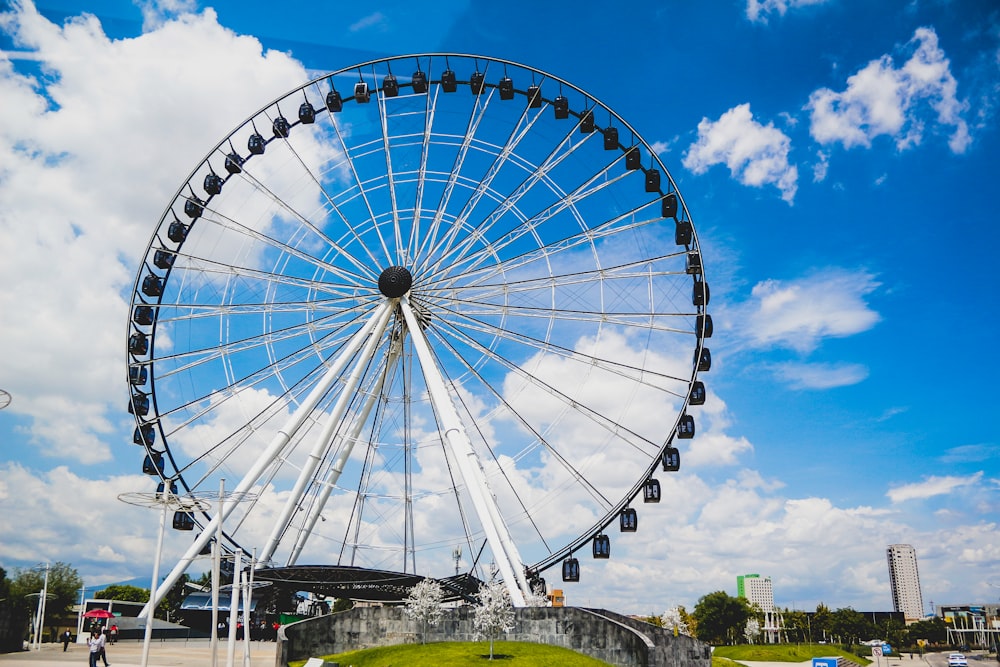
(174, 653)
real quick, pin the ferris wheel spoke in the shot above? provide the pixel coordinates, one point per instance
(633, 439)
(643, 375)
(418, 198)
(509, 202)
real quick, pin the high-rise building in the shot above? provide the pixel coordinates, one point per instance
(756, 589)
(904, 579)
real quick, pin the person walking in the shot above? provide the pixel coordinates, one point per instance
(113, 633)
(94, 643)
(67, 637)
(102, 654)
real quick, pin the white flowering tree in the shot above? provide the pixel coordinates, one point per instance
(494, 613)
(752, 630)
(423, 605)
(674, 621)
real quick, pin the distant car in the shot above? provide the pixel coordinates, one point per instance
(957, 660)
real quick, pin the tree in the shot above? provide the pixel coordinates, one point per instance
(125, 593)
(821, 622)
(751, 630)
(673, 620)
(423, 605)
(851, 626)
(932, 630)
(720, 618)
(797, 626)
(64, 584)
(494, 613)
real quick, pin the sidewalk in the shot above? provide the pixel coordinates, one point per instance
(173, 653)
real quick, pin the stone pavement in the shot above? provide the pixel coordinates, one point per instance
(173, 653)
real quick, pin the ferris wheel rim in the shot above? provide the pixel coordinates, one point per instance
(139, 300)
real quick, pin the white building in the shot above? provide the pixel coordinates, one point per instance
(904, 579)
(756, 589)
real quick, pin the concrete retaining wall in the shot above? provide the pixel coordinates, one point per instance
(607, 636)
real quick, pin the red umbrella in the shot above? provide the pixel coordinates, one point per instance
(98, 613)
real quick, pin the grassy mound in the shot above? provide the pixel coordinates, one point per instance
(461, 654)
(784, 653)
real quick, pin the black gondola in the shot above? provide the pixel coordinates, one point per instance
(419, 82)
(610, 138)
(163, 259)
(633, 158)
(668, 206)
(361, 93)
(697, 394)
(153, 464)
(143, 315)
(307, 113)
(587, 122)
(571, 569)
(700, 294)
(628, 520)
(161, 487)
(390, 87)
(692, 264)
(281, 127)
(651, 491)
(193, 207)
(213, 183)
(256, 144)
(671, 459)
(652, 180)
(177, 231)
(602, 546)
(207, 549)
(704, 325)
(683, 233)
(152, 285)
(138, 343)
(139, 405)
(704, 360)
(449, 82)
(537, 584)
(144, 435)
(506, 88)
(685, 427)
(234, 163)
(477, 82)
(334, 102)
(137, 375)
(534, 96)
(183, 520)
(561, 107)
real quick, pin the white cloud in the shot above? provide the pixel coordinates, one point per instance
(798, 314)
(756, 154)
(819, 376)
(821, 166)
(368, 21)
(159, 95)
(881, 99)
(931, 486)
(757, 10)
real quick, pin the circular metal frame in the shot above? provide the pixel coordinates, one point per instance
(550, 261)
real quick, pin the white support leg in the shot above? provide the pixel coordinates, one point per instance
(324, 440)
(277, 446)
(470, 467)
(346, 448)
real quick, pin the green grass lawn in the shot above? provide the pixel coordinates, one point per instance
(458, 654)
(783, 653)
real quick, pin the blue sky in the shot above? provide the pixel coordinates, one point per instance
(837, 158)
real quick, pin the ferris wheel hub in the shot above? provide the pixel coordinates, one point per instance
(395, 281)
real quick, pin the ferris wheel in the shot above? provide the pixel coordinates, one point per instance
(424, 303)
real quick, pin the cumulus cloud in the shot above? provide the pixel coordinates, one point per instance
(799, 314)
(931, 486)
(758, 10)
(756, 154)
(159, 95)
(882, 99)
(818, 375)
